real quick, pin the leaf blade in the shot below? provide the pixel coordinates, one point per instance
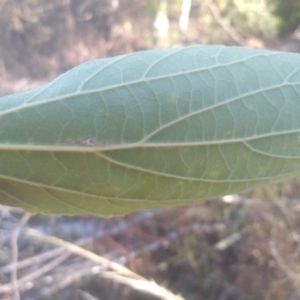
(152, 129)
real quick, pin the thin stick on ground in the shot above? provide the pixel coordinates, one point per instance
(281, 263)
(33, 260)
(128, 277)
(34, 275)
(15, 252)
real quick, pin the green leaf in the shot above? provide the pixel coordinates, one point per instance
(152, 129)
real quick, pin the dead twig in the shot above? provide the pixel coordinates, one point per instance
(281, 263)
(121, 273)
(20, 284)
(33, 260)
(15, 252)
(73, 274)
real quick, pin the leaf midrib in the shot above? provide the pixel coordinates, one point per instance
(137, 145)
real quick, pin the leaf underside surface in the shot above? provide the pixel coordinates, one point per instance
(152, 129)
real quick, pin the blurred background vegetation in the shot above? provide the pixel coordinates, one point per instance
(239, 247)
(40, 38)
